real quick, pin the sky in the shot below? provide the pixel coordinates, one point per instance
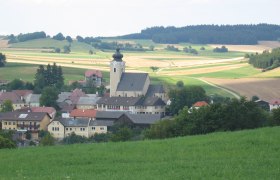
(112, 17)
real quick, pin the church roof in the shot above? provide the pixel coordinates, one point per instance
(155, 88)
(132, 81)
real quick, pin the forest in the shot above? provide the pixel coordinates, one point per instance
(210, 34)
(267, 60)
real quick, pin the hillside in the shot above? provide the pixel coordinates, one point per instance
(47, 43)
(252, 154)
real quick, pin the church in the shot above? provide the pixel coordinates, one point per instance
(132, 92)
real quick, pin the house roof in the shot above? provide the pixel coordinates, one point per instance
(153, 101)
(49, 110)
(70, 122)
(65, 107)
(274, 102)
(122, 101)
(108, 114)
(92, 72)
(155, 88)
(143, 118)
(132, 81)
(33, 98)
(101, 123)
(10, 96)
(88, 100)
(90, 113)
(23, 116)
(22, 93)
(200, 104)
(132, 101)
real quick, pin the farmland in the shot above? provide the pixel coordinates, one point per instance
(207, 66)
(250, 154)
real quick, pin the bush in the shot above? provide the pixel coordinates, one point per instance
(6, 143)
(73, 139)
(47, 140)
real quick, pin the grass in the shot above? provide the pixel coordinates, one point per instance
(50, 43)
(246, 71)
(27, 72)
(250, 154)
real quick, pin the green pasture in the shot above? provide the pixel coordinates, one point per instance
(248, 154)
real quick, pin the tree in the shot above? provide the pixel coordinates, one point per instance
(255, 98)
(69, 39)
(66, 49)
(6, 143)
(154, 68)
(40, 81)
(59, 37)
(49, 97)
(15, 85)
(60, 78)
(74, 139)
(47, 140)
(28, 135)
(80, 39)
(122, 134)
(2, 60)
(202, 48)
(186, 96)
(57, 50)
(180, 84)
(90, 52)
(151, 47)
(7, 106)
(276, 116)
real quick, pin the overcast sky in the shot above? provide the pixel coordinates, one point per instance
(119, 17)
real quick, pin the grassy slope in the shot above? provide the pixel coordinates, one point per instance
(49, 43)
(252, 154)
(27, 72)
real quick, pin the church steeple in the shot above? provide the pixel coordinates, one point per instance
(117, 56)
(117, 67)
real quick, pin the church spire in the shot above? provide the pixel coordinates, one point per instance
(117, 56)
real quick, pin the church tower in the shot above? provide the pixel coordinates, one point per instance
(117, 67)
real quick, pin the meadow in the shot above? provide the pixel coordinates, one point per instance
(248, 154)
(173, 66)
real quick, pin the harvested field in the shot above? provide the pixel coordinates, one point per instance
(266, 88)
(3, 43)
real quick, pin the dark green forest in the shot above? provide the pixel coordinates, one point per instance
(209, 34)
(267, 60)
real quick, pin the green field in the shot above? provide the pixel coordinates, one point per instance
(251, 154)
(27, 72)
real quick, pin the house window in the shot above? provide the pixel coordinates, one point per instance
(52, 128)
(93, 128)
(9, 123)
(66, 129)
(14, 123)
(114, 69)
(70, 129)
(5, 123)
(101, 128)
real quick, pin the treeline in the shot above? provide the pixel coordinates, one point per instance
(26, 37)
(210, 34)
(267, 60)
(231, 116)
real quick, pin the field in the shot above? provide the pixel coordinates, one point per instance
(251, 154)
(173, 66)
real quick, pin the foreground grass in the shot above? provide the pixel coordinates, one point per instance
(252, 154)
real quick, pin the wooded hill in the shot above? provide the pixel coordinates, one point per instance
(210, 34)
(267, 60)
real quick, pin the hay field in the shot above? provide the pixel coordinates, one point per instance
(266, 89)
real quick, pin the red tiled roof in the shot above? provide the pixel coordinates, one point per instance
(200, 104)
(89, 73)
(10, 96)
(49, 110)
(90, 113)
(23, 92)
(274, 102)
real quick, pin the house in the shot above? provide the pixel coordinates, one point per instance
(23, 93)
(93, 78)
(61, 128)
(199, 104)
(133, 105)
(138, 120)
(83, 113)
(263, 104)
(25, 121)
(33, 100)
(87, 102)
(70, 98)
(18, 101)
(50, 110)
(274, 104)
